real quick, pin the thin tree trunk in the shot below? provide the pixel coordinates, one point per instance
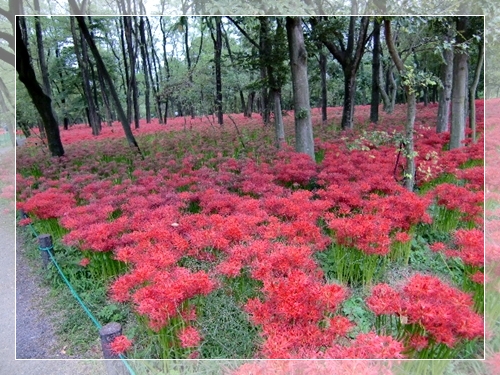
(375, 100)
(324, 91)
(107, 78)
(127, 21)
(472, 92)
(264, 53)
(145, 68)
(218, 75)
(250, 101)
(445, 92)
(126, 69)
(41, 101)
(349, 99)
(82, 58)
(41, 51)
(278, 120)
(409, 177)
(63, 100)
(298, 62)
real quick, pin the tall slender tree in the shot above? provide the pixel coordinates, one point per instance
(409, 149)
(459, 88)
(107, 78)
(304, 141)
(42, 101)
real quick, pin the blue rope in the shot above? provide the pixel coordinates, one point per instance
(75, 294)
(72, 290)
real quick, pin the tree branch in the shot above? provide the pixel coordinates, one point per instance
(244, 32)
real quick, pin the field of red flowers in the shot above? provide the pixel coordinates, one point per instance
(215, 237)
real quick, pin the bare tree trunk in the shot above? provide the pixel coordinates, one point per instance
(145, 68)
(107, 78)
(41, 101)
(127, 21)
(298, 61)
(472, 92)
(217, 40)
(459, 89)
(324, 91)
(409, 177)
(278, 120)
(445, 92)
(375, 100)
(82, 58)
(250, 101)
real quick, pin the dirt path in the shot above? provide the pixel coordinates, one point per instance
(34, 329)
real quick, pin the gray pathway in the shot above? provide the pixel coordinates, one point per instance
(8, 364)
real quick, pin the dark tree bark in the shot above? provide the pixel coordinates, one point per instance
(83, 59)
(145, 68)
(185, 23)
(349, 57)
(107, 78)
(375, 100)
(298, 62)
(41, 101)
(132, 84)
(217, 40)
(41, 51)
(63, 100)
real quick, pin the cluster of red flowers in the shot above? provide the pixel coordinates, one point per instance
(445, 312)
(263, 213)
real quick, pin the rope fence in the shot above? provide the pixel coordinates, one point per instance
(107, 332)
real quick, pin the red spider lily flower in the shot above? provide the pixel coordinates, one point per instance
(84, 262)
(189, 337)
(478, 277)
(26, 221)
(384, 300)
(418, 342)
(120, 344)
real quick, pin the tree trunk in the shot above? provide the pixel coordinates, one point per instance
(145, 68)
(445, 92)
(459, 89)
(188, 59)
(121, 26)
(63, 100)
(349, 99)
(41, 101)
(218, 74)
(41, 51)
(375, 100)
(82, 58)
(278, 120)
(264, 53)
(472, 92)
(107, 78)
(304, 141)
(127, 21)
(409, 176)
(250, 101)
(385, 98)
(324, 91)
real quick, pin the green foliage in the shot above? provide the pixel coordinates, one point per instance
(226, 330)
